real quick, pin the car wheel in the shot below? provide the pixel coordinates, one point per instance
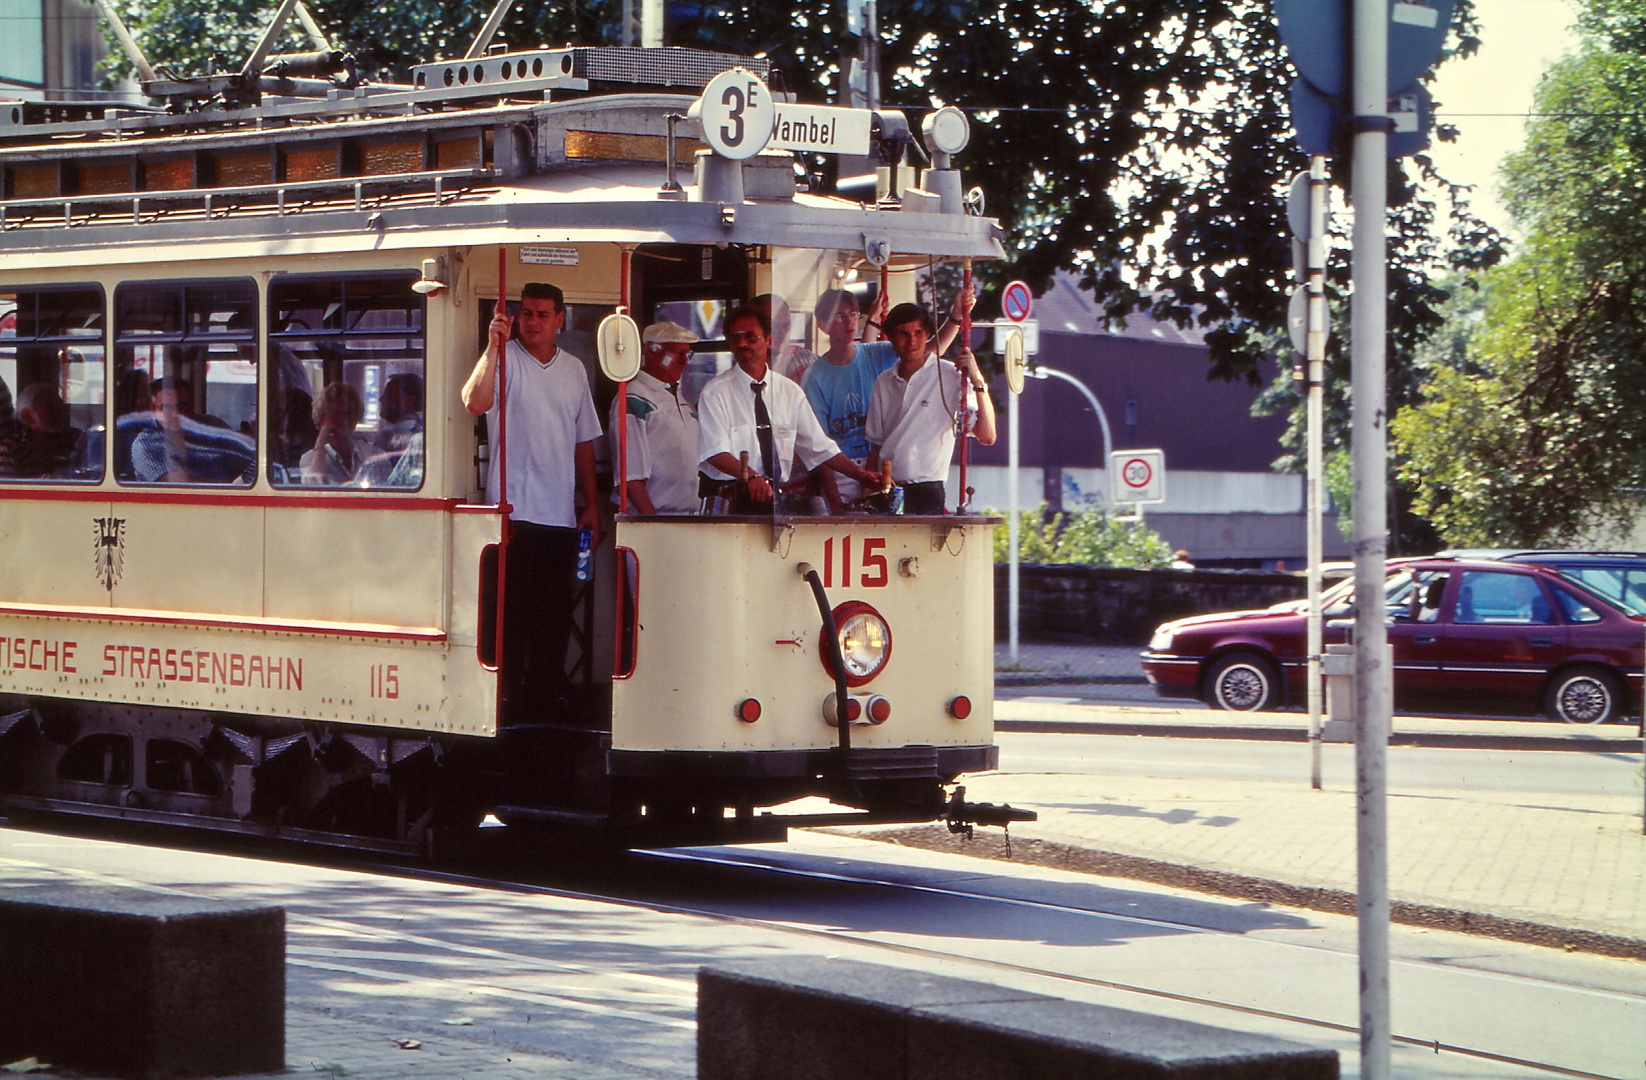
(1584, 695)
(1242, 682)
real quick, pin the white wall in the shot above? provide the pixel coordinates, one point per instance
(1187, 491)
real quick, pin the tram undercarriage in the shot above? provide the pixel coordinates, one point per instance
(412, 793)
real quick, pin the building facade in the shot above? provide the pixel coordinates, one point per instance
(1225, 504)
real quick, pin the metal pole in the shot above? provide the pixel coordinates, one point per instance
(964, 421)
(145, 73)
(1373, 685)
(1315, 371)
(488, 29)
(1012, 596)
(254, 62)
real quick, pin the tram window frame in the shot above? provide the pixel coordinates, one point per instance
(392, 470)
(79, 462)
(194, 320)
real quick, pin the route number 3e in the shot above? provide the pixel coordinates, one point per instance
(737, 113)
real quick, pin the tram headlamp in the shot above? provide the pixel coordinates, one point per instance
(865, 641)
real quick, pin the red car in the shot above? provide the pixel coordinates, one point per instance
(1462, 633)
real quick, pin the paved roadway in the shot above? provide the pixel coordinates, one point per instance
(504, 984)
(1526, 777)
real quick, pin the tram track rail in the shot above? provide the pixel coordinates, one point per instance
(671, 999)
(701, 858)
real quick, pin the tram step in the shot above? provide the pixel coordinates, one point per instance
(838, 1019)
(125, 983)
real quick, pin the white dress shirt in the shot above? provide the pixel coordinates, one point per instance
(725, 417)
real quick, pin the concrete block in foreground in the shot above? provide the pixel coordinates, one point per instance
(1046, 1039)
(843, 1020)
(126, 983)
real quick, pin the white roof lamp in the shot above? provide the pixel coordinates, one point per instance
(946, 131)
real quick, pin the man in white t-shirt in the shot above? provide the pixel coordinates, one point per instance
(750, 409)
(551, 426)
(662, 429)
(914, 409)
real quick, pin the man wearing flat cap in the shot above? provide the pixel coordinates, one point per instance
(662, 429)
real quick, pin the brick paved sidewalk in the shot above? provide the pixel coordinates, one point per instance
(1575, 877)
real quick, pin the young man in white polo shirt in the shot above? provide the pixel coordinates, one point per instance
(552, 426)
(914, 409)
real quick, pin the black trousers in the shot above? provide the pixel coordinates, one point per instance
(537, 619)
(926, 497)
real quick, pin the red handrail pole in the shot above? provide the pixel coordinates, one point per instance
(503, 507)
(965, 343)
(622, 576)
(623, 401)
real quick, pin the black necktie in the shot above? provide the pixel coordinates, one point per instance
(763, 430)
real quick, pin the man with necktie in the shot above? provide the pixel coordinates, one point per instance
(750, 409)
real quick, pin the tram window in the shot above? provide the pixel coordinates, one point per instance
(185, 382)
(51, 383)
(346, 400)
(706, 319)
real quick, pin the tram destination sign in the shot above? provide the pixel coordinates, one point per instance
(740, 118)
(822, 129)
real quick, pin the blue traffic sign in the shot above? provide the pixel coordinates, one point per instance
(1016, 301)
(1316, 34)
(1322, 121)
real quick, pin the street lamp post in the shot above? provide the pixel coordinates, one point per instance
(1011, 482)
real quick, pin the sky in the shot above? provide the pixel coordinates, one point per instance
(1488, 96)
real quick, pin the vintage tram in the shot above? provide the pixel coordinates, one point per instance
(193, 632)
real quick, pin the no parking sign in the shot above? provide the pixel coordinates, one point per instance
(1137, 476)
(1016, 301)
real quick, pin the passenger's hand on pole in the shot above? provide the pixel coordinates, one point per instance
(874, 327)
(964, 300)
(501, 325)
(968, 367)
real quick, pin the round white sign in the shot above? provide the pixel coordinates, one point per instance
(1136, 473)
(737, 113)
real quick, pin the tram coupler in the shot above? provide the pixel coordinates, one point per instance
(962, 816)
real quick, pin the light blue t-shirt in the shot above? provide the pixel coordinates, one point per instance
(840, 394)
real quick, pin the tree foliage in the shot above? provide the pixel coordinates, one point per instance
(1142, 143)
(1085, 536)
(1538, 438)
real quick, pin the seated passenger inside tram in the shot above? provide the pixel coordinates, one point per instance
(339, 454)
(177, 446)
(42, 440)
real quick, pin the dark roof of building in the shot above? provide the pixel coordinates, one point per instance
(1067, 309)
(1153, 384)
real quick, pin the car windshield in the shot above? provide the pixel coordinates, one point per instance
(1623, 586)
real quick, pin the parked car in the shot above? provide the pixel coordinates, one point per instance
(1462, 633)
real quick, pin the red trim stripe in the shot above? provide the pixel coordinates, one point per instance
(195, 497)
(181, 618)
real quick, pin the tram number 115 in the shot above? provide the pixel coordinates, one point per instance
(871, 563)
(385, 681)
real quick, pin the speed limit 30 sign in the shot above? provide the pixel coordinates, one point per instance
(1137, 476)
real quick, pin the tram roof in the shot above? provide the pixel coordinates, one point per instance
(578, 169)
(617, 205)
